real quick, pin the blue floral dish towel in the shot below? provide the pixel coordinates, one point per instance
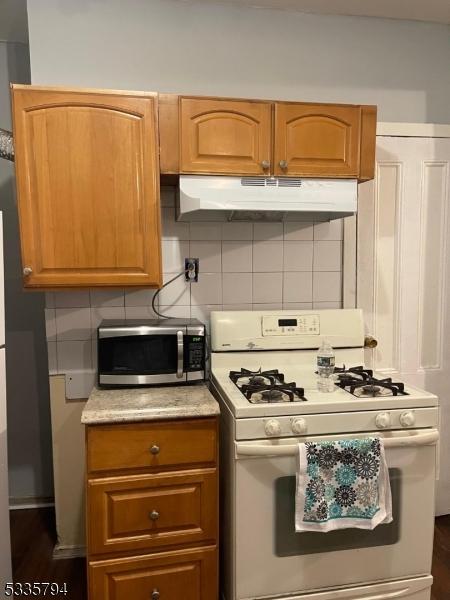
(342, 484)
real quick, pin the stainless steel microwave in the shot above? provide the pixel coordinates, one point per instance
(150, 352)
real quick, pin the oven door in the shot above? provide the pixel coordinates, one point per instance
(151, 355)
(272, 559)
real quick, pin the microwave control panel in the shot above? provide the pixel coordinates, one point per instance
(291, 325)
(195, 352)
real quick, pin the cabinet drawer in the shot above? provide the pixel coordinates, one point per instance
(150, 512)
(186, 575)
(151, 445)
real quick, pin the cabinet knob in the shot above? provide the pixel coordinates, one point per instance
(265, 164)
(154, 449)
(370, 342)
(155, 595)
(283, 164)
(154, 515)
(27, 271)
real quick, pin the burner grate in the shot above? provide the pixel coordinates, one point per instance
(266, 386)
(370, 387)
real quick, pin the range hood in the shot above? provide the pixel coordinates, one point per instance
(220, 198)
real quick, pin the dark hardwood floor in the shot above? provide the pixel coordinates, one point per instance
(33, 538)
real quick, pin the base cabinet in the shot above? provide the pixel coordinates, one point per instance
(185, 575)
(152, 510)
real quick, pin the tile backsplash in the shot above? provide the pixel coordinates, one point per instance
(243, 266)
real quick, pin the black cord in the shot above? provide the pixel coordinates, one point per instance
(161, 288)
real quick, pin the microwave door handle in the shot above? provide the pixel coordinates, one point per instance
(180, 354)
(420, 439)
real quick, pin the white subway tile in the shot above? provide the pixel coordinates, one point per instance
(140, 312)
(52, 358)
(205, 231)
(73, 324)
(177, 292)
(73, 299)
(237, 307)
(267, 257)
(237, 257)
(107, 297)
(327, 287)
(327, 305)
(74, 356)
(98, 314)
(209, 255)
(327, 256)
(329, 230)
(202, 312)
(208, 289)
(268, 231)
(298, 256)
(177, 312)
(267, 287)
(172, 229)
(139, 297)
(297, 287)
(297, 306)
(173, 254)
(298, 231)
(237, 231)
(237, 288)
(49, 300)
(268, 306)
(94, 352)
(50, 324)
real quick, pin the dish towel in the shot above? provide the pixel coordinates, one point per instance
(342, 484)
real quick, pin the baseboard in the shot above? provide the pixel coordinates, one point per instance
(26, 502)
(61, 552)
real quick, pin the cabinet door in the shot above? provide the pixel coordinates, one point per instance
(315, 140)
(182, 575)
(229, 137)
(88, 187)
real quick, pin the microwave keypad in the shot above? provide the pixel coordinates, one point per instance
(195, 353)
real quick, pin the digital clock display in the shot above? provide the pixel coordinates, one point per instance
(287, 322)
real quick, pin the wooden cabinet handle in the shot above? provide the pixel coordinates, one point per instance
(283, 164)
(265, 164)
(155, 594)
(155, 449)
(154, 515)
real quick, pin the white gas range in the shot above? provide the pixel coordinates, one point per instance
(263, 372)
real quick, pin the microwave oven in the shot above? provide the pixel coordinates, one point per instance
(150, 352)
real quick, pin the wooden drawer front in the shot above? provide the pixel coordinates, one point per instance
(175, 443)
(317, 140)
(225, 136)
(187, 575)
(152, 511)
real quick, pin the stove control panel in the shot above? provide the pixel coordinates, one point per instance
(272, 427)
(290, 325)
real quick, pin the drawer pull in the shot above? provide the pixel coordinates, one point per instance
(155, 594)
(154, 515)
(154, 449)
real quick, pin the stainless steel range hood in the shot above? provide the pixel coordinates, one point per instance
(219, 198)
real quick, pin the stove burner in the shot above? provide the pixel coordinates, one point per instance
(259, 377)
(358, 373)
(370, 387)
(258, 380)
(283, 392)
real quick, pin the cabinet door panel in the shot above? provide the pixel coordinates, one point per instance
(87, 174)
(150, 512)
(317, 140)
(224, 136)
(187, 575)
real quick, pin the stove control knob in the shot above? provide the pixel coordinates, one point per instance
(298, 426)
(272, 427)
(383, 420)
(407, 419)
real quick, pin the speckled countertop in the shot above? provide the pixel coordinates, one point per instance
(127, 405)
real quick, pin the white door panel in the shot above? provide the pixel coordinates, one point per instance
(403, 271)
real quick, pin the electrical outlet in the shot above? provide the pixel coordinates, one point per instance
(191, 269)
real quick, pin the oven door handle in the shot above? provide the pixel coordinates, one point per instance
(180, 354)
(419, 439)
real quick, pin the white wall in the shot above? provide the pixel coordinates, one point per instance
(173, 46)
(29, 431)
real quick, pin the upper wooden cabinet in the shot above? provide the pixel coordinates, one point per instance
(245, 137)
(316, 140)
(225, 136)
(88, 187)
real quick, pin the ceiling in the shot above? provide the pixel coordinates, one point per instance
(418, 10)
(13, 21)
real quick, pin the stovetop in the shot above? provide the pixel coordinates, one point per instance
(253, 392)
